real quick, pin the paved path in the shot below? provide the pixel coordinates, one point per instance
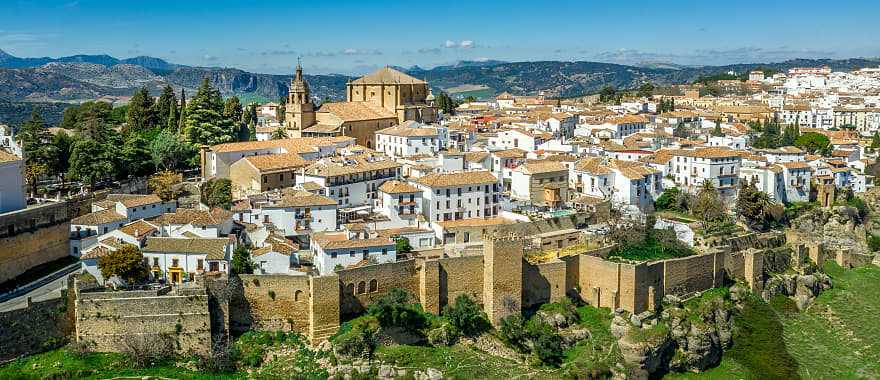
(46, 288)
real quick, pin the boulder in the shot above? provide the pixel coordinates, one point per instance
(619, 326)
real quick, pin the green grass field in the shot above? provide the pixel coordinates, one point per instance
(837, 337)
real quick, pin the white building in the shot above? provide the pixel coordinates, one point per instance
(408, 139)
(292, 212)
(351, 181)
(455, 196)
(401, 202)
(519, 139)
(691, 167)
(339, 250)
(12, 187)
(178, 259)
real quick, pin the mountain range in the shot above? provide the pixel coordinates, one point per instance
(79, 78)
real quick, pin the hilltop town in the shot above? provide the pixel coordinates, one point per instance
(630, 233)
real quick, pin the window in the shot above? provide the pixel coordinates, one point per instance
(374, 286)
(297, 296)
(384, 251)
(155, 261)
(362, 288)
(332, 255)
(200, 264)
(174, 262)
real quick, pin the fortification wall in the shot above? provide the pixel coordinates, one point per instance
(542, 283)
(35, 328)
(274, 302)
(600, 281)
(33, 236)
(449, 278)
(106, 321)
(502, 278)
(688, 275)
(364, 285)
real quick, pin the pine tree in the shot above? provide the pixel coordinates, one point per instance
(181, 117)
(163, 106)
(141, 112)
(39, 153)
(875, 141)
(205, 121)
(172, 122)
(717, 132)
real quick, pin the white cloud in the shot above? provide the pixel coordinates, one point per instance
(450, 44)
(466, 44)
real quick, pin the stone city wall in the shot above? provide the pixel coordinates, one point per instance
(107, 321)
(543, 283)
(272, 302)
(35, 328)
(363, 285)
(33, 236)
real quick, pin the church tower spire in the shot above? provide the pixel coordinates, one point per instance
(300, 112)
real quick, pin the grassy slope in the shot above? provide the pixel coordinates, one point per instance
(459, 362)
(837, 337)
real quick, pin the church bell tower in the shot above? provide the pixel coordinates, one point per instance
(300, 111)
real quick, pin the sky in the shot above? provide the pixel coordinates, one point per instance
(353, 37)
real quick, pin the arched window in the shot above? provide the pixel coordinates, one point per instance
(362, 287)
(349, 289)
(374, 286)
(297, 296)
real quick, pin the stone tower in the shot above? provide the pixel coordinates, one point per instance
(502, 276)
(300, 111)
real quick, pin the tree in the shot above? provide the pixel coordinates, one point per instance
(875, 141)
(717, 132)
(205, 123)
(681, 131)
(164, 184)
(127, 263)
(398, 308)
(401, 245)
(88, 162)
(35, 141)
(708, 206)
(62, 143)
(134, 157)
(815, 143)
(668, 200)
(165, 107)
(181, 117)
(141, 112)
(466, 316)
(217, 192)
(232, 110)
(173, 120)
(756, 208)
(469, 99)
(445, 103)
(167, 151)
(281, 111)
(241, 260)
(646, 90)
(278, 134)
(607, 93)
(789, 135)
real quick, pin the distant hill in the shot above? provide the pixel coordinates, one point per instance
(80, 78)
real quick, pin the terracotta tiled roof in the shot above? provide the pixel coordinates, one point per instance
(594, 165)
(409, 129)
(457, 179)
(213, 248)
(350, 165)
(398, 187)
(394, 232)
(332, 241)
(795, 165)
(473, 222)
(99, 217)
(298, 145)
(538, 167)
(96, 252)
(138, 228)
(510, 153)
(134, 200)
(476, 156)
(387, 75)
(354, 111)
(302, 199)
(8, 157)
(275, 162)
(195, 217)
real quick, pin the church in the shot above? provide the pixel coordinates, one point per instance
(376, 101)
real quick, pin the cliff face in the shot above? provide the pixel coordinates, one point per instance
(838, 227)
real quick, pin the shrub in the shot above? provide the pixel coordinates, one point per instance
(144, 350)
(873, 242)
(466, 316)
(360, 340)
(445, 335)
(513, 332)
(546, 343)
(398, 308)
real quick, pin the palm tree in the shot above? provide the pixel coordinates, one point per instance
(279, 134)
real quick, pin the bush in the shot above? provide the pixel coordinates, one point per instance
(466, 316)
(398, 308)
(445, 335)
(512, 330)
(359, 341)
(546, 343)
(873, 242)
(145, 350)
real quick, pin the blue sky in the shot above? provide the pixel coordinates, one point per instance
(343, 37)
